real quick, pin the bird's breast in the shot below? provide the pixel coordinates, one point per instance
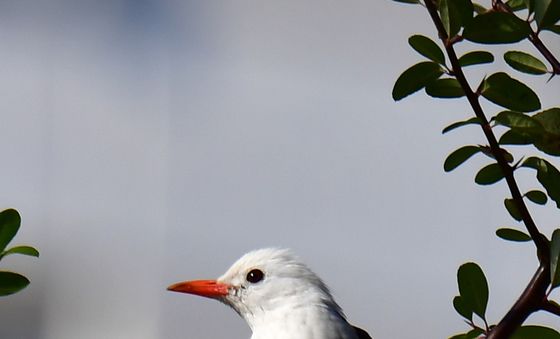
(309, 323)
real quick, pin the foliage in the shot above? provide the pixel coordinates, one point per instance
(523, 122)
(11, 282)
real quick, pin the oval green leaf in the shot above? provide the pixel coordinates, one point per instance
(512, 209)
(555, 258)
(11, 283)
(524, 62)
(428, 48)
(516, 5)
(415, 78)
(475, 58)
(445, 88)
(463, 309)
(496, 28)
(530, 4)
(471, 121)
(473, 288)
(511, 234)
(518, 121)
(9, 226)
(507, 92)
(25, 250)
(459, 156)
(512, 137)
(535, 332)
(489, 175)
(449, 17)
(536, 196)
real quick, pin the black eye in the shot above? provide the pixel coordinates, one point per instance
(254, 276)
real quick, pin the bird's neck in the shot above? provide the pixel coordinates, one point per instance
(295, 322)
(288, 319)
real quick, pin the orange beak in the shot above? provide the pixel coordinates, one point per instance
(203, 288)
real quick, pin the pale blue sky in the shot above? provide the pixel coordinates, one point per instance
(147, 142)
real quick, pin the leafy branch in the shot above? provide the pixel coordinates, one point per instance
(11, 282)
(455, 21)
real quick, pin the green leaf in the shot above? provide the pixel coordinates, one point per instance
(472, 334)
(475, 58)
(535, 332)
(450, 17)
(512, 137)
(459, 156)
(530, 4)
(463, 309)
(547, 175)
(511, 234)
(489, 175)
(25, 250)
(536, 196)
(428, 48)
(518, 121)
(11, 283)
(547, 12)
(9, 225)
(415, 78)
(507, 92)
(555, 258)
(445, 88)
(524, 62)
(516, 5)
(471, 121)
(473, 288)
(548, 140)
(511, 207)
(496, 28)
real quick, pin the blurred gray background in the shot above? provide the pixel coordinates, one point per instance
(146, 142)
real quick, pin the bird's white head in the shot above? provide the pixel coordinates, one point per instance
(265, 281)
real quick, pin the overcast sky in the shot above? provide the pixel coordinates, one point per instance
(147, 142)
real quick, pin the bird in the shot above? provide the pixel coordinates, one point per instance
(278, 296)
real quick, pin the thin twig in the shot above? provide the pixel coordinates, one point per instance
(551, 307)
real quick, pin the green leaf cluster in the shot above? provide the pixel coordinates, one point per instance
(541, 129)
(11, 282)
(522, 115)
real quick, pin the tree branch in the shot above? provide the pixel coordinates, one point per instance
(540, 240)
(528, 302)
(535, 292)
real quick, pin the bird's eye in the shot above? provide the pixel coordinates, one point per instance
(254, 276)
